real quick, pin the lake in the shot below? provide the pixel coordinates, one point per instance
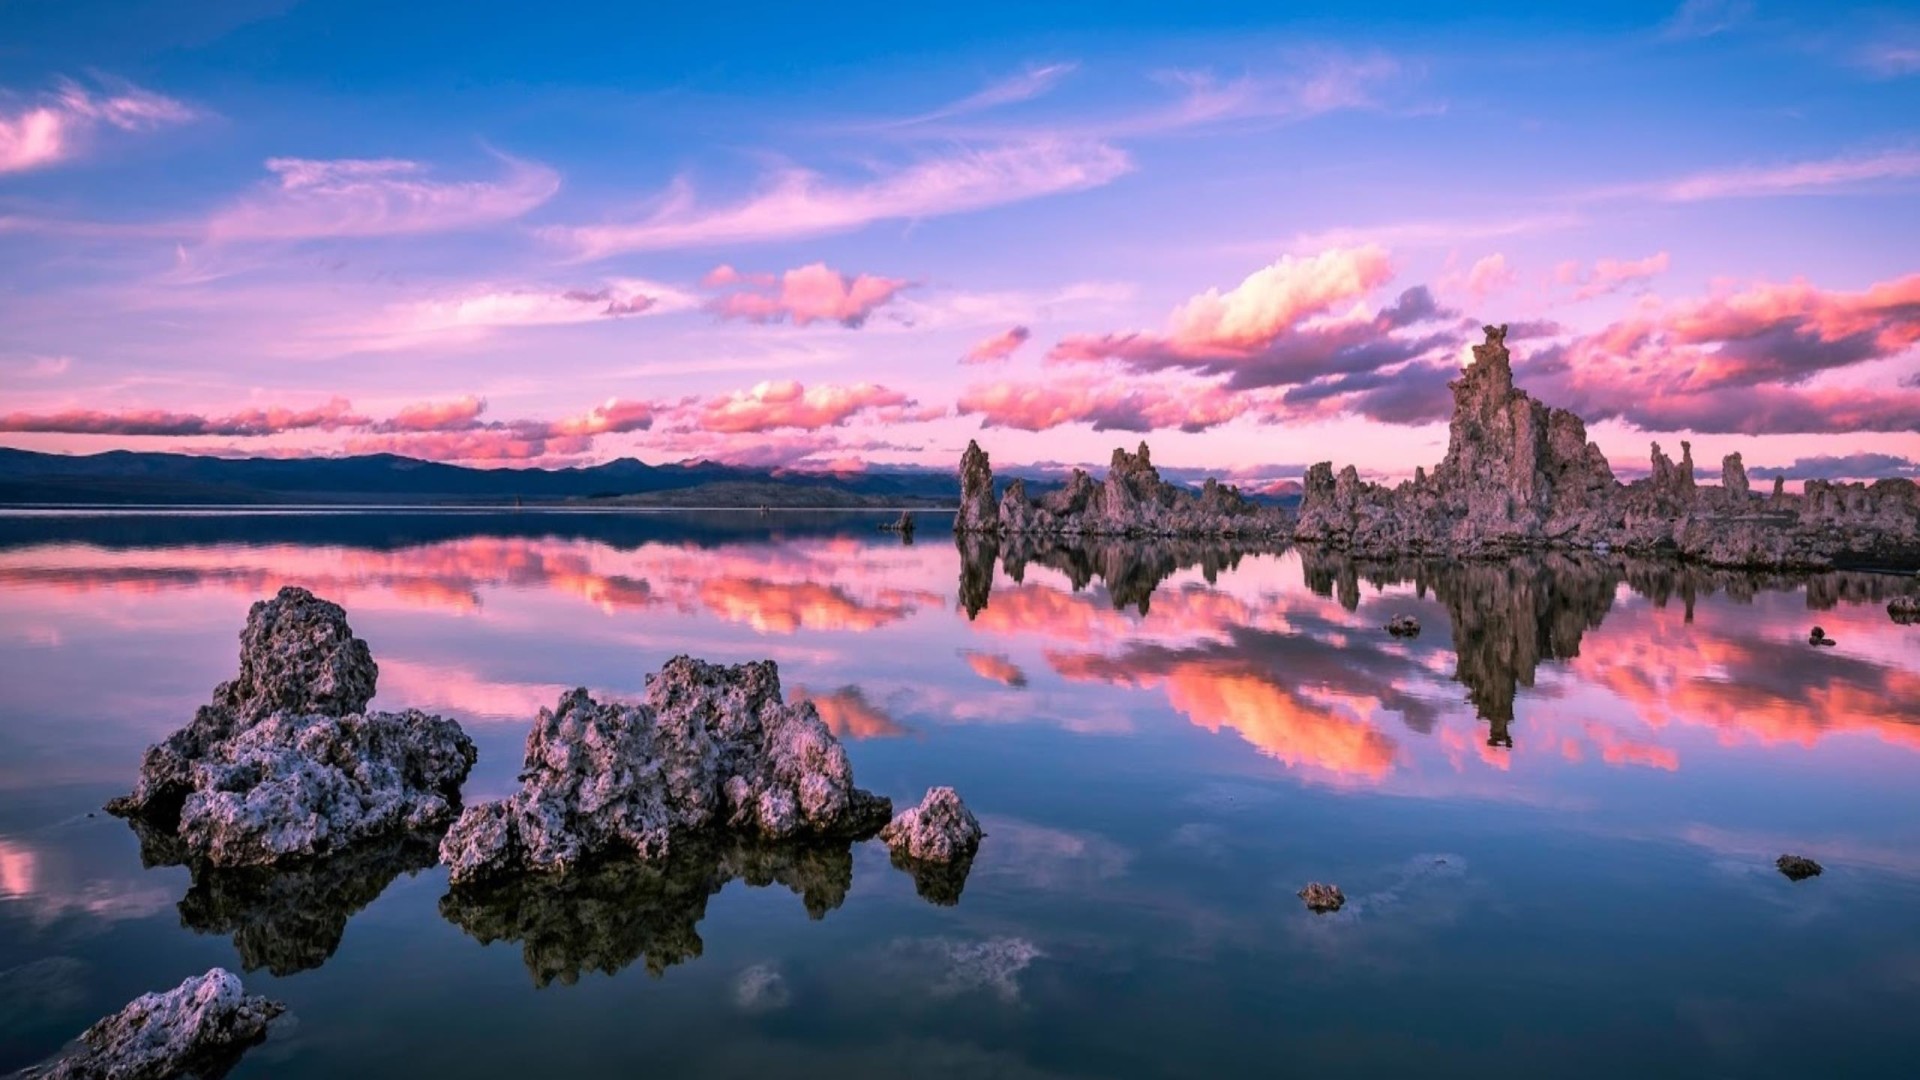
(1554, 813)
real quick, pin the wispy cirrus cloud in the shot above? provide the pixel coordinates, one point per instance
(999, 347)
(1609, 275)
(1695, 19)
(796, 203)
(806, 294)
(1036, 81)
(55, 127)
(1814, 177)
(313, 199)
(1860, 466)
(472, 312)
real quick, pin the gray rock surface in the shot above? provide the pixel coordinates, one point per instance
(1519, 475)
(282, 765)
(1797, 867)
(1133, 500)
(939, 830)
(1321, 899)
(200, 1027)
(707, 748)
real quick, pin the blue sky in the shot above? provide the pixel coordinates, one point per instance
(491, 233)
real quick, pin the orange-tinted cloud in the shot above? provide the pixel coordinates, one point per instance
(788, 404)
(998, 347)
(807, 294)
(848, 713)
(456, 415)
(1103, 403)
(244, 423)
(996, 667)
(788, 607)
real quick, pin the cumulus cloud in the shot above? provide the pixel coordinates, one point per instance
(788, 404)
(487, 444)
(998, 347)
(1860, 466)
(1490, 274)
(456, 415)
(807, 294)
(55, 127)
(995, 667)
(1293, 321)
(309, 199)
(245, 423)
(1104, 403)
(848, 713)
(1747, 361)
(796, 203)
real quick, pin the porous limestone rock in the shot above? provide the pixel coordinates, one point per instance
(978, 513)
(1797, 867)
(1133, 500)
(201, 1027)
(1904, 610)
(283, 765)
(1322, 898)
(1403, 626)
(707, 748)
(1519, 475)
(939, 830)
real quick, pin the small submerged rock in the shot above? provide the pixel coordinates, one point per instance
(708, 748)
(1321, 899)
(283, 764)
(1403, 626)
(1904, 610)
(202, 1027)
(1797, 867)
(902, 525)
(1819, 637)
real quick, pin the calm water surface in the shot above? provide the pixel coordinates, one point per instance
(1554, 813)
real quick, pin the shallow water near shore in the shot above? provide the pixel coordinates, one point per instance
(1554, 812)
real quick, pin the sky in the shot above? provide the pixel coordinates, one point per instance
(1254, 235)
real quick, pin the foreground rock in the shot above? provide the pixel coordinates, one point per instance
(708, 748)
(1904, 610)
(941, 829)
(1797, 867)
(1132, 500)
(200, 1027)
(284, 764)
(1321, 899)
(1520, 475)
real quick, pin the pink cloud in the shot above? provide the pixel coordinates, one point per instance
(809, 294)
(998, 347)
(456, 415)
(1792, 178)
(724, 275)
(788, 404)
(613, 416)
(800, 451)
(502, 444)
(55, 127)
(1490, 275)
(1609, 275)
(385, 197)
(245, 423)
(797, 203)
(1105, 404)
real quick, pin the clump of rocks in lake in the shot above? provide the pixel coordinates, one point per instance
(199, 1028)
(1322, 899)
(285, 763)
(1797, 867)
(935, 842)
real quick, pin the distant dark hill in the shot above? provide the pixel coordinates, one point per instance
(127, 477)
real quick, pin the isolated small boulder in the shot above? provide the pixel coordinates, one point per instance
(1797, 867)
(1819, 637)
(1403, 626)
(1322, 898)
(201, 1027)
(939, 830)
(1904, 610)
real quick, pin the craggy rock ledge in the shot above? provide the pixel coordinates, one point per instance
(707, 749)
(201, 1027)
(283, 764)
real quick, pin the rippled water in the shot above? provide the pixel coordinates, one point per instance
(1554, 813)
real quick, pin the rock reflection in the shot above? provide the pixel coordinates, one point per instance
(1130, 570)
(609, 915)
(292, 919)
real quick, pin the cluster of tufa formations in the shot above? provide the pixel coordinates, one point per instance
(1518, 476)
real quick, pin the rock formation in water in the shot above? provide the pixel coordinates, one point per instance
(1818, 636)
(708, 748)
(1904, 610)
(1132, 500)
(1403, 626)
(1321, 899)
(935, 842)
(284, 764)
(614, 912)
(200, 1027)
(1520, 475)
(1797, 867)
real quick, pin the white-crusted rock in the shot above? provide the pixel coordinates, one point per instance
(282, 764)
(201, 1026)
(708, 747)
(1904, 610)
(939, 830)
